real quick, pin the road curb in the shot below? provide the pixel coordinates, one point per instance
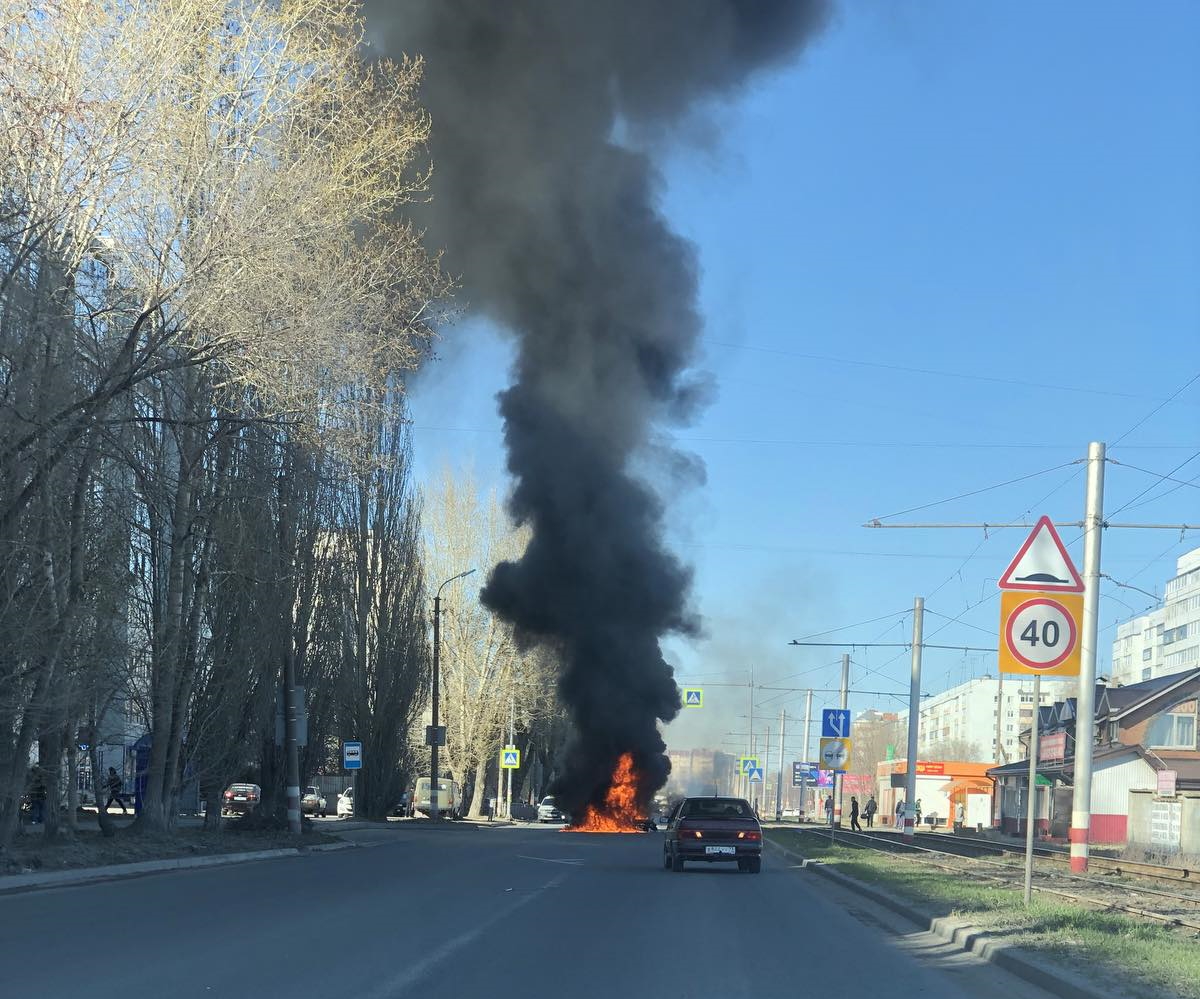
(966, 936)
(12, 884)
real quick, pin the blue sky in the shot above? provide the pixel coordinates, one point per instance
(944, 250)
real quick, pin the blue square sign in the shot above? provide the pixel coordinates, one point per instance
(835, 723)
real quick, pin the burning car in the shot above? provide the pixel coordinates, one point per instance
(714, 830)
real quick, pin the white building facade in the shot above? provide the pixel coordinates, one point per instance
(1167, 639)
(988, 712)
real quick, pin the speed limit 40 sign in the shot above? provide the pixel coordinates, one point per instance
(1039, 632)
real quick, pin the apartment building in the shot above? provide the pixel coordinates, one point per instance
(1167, 639)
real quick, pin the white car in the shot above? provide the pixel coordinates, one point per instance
(548, 810)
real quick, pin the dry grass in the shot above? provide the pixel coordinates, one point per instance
(87, 848)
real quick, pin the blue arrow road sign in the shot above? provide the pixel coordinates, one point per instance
(755, 774)
(835, 723)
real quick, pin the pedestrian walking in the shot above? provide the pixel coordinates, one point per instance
(869, 810)
(899, 814)
(829, 809)
(854, 814)
(917, 824)
(959, 817)
(113, 783)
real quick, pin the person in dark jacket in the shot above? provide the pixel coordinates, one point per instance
(854, 814)
(113, 783)
(869, 810)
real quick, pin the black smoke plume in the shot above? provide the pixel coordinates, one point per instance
(554, 227)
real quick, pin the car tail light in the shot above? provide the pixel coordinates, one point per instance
(685, 833)
(752, 836)
(228, 794)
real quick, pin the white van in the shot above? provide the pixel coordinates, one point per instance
(449, 798)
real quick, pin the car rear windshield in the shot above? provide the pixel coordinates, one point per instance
(243, 787)
(547, 801)
(717, 808)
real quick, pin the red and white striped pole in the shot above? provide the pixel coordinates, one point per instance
(914, 719)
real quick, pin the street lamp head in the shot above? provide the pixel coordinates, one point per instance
(460, 575)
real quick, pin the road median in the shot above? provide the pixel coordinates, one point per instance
(87, 856)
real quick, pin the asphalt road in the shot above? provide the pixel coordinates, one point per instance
(491, 912)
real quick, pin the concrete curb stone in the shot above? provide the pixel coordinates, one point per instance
(14, 883)
(967, 937)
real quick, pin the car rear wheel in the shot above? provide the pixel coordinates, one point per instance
(743, 865)
(677, 863)
(755, 865)
(666, 860)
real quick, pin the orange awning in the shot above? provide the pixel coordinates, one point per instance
(967, 785)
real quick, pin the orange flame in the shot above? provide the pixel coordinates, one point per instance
(619, 814)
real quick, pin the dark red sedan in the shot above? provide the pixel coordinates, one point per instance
(713, 830)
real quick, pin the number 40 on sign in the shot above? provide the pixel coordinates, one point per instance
(1041, 606)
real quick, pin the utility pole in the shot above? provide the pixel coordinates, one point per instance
(291, 715)
(807, 755)
(1001, 752)
(1085, 715)
(766, 805)
(843, 701)
(1031, 805)
(779, 773)
(914, 718)
(437, 652)
(433, 749)
(512, 735)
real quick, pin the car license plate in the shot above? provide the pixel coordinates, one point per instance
(720, 849)
(239, 797)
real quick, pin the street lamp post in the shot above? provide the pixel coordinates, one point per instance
(437, 651)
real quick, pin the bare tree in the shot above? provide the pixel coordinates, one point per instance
(197, 235)
(485, 675)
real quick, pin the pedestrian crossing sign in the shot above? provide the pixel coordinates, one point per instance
(510, 759)
(747, 763)
(755, 774)
(693, 697)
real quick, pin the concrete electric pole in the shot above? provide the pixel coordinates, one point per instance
(914, 718)
(1085, 714)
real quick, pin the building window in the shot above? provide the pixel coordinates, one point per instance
(1147, 655)
(1146, 673)
(1174, 730)
(1172, 635)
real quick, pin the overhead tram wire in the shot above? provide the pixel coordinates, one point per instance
(1157, 409)
(1158, 475)
(878, 521)
(1152, 485)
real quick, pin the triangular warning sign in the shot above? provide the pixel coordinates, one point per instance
(693, 697)
(1042, 564)
(510, 759)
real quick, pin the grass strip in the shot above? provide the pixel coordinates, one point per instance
(87, 848)
(1102, 946)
